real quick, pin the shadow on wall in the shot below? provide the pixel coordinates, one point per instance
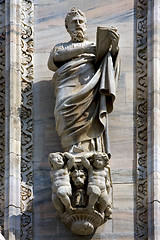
(46, 223)
(45, 136)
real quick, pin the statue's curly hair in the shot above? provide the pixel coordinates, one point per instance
(74, 12)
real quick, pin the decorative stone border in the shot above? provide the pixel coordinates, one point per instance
(141, 120)
(2, 108)
(27, 11)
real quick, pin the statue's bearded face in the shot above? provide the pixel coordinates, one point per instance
(77, 28)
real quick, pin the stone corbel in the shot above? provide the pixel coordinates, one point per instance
(81, 189)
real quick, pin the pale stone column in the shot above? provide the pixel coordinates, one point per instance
(153, 164)
(18, 119)
(12, 120)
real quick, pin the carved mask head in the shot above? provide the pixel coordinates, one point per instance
(78, 178)
(75, 23)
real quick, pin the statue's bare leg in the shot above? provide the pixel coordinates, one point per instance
(65, 199)
(94, 193)
(108, 211)
(103, 201)
(57, 204)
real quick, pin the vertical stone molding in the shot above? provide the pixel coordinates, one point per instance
(141, 120)
(18, 119)
(12, 119)
(148, 119)
(27, 119)
(154, 119)
(2, 108)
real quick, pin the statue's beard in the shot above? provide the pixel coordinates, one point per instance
(78, 35)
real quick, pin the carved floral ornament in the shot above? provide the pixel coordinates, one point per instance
(85, 86)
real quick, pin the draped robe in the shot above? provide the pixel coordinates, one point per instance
(85, 92)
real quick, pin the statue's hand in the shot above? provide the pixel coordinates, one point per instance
(69, 155)
(115, 39)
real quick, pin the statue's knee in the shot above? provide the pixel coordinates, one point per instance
(103, 200)
(61, 194)
(54, 197)
(95, 191)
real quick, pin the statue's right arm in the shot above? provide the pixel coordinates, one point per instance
(51, 64)
(66, 54)
(60, 54)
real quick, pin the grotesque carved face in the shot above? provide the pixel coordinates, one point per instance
(56, 160)
(78, 178)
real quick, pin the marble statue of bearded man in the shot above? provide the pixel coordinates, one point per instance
(84, 88)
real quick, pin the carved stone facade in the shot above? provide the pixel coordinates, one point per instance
(16, 109)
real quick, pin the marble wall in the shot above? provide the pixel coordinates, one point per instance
(49, 30)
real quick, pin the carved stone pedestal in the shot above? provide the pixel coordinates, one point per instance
(82, 221)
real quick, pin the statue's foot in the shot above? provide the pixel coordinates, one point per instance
(107, 217)
(108, 213)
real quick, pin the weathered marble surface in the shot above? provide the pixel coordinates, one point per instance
(49, 30)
